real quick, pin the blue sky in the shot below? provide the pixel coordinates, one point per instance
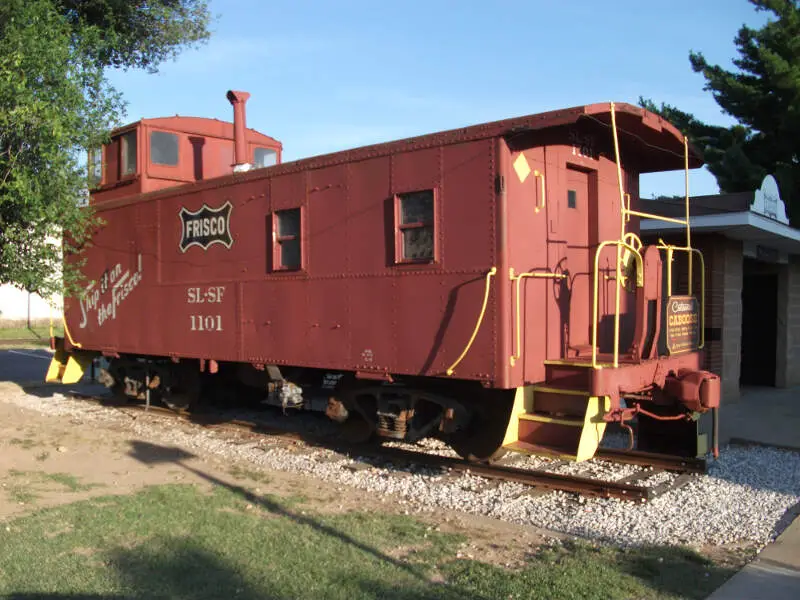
(327, 76)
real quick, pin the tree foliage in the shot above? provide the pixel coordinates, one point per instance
(763, 97)
(138, 33)
(55, 102)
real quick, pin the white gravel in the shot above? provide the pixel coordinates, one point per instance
(741, 499)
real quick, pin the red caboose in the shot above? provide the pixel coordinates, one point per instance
(484, 284)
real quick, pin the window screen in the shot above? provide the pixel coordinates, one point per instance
(163, 148)
(415, 226)
(265, 157)
(572, 199)
(128, 154)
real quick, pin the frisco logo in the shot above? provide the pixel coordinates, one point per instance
(206, 226)
(121, 284)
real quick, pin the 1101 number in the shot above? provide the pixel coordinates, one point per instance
(206, 322)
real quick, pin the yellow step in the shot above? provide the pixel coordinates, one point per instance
(545, 418)
(552, 433)
(67, 367)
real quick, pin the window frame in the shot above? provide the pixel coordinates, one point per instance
(277, 239)
(123, 146)
(90, 156)
(158, 165)
(268, 149)
(400, 227)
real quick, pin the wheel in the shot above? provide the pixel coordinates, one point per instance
(184, 394)
(482, 439)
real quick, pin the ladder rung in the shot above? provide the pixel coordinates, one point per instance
(540, 418)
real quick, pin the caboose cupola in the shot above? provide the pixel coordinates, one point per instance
(154, 154)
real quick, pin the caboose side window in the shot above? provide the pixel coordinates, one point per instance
(286, 249)
(265, 157)
(127, 162)
(95, 167)
(163, 148)
(415, 227)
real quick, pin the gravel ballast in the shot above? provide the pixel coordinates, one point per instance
(740, 500)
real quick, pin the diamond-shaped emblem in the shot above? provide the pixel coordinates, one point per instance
(522, 167)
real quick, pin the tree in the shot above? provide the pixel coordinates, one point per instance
(138, 33)
(763, 97)
(55, 102)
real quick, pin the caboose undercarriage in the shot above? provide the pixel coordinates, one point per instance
(565, 417)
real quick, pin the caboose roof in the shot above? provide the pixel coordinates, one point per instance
(202, 126)
(654, 143)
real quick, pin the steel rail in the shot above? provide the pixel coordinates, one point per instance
(667, 462)
(569, 483)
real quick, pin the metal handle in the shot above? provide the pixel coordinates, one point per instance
(628, 208)
(538, 173)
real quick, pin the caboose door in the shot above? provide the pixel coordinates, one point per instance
(571, 242)
(575, 205)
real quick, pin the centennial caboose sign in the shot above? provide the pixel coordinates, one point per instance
(683, 319)
(206, 226)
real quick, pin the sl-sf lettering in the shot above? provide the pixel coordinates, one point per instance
(210, 295)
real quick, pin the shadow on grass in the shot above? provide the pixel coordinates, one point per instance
(181, 570)
(154, 454)
(179, 542)
(677, 571)
(151, 453)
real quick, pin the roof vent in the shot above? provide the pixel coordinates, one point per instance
(238, 100)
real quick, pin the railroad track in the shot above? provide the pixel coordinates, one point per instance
(630, 487)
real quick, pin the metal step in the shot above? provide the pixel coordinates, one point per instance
(562, 422)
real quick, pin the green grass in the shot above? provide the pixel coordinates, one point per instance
(68, 481)
(36, 335)
(178, 542)
(21, 494)
(27, 486)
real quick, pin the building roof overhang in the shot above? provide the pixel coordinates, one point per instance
(746, 226)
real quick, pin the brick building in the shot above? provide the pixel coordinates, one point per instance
(752, 281)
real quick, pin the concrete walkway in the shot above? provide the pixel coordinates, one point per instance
(774, 575)
(768, 416)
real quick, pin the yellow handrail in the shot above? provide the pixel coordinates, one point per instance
(619, 173)
(66, 329)
(689, 251)
(658, 217)
(69, 336)
(625, 213)
(639, 282)
(489, 275)
(627, 208)
(537, 208)
(517, 353)
(688, 229)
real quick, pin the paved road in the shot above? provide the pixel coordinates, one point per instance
(24, 366)
(27, 367)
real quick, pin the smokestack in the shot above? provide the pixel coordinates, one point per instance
(238, 100)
